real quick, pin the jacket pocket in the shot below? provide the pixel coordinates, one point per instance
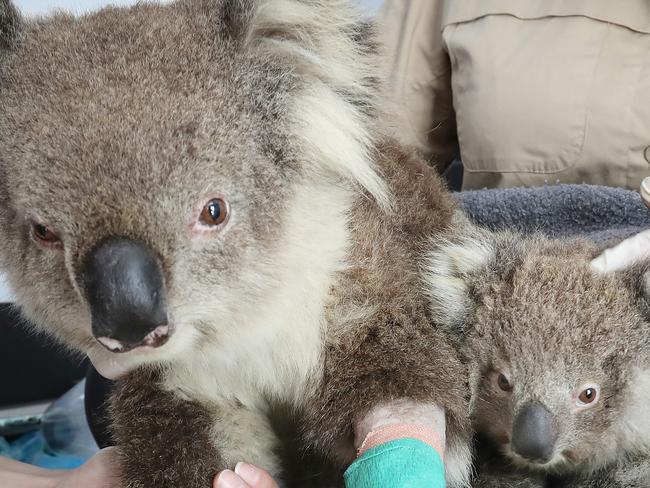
(522, 89)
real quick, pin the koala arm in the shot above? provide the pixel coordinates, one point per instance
(163, 440)
(429, 418)
(362, 377)
(380, 343)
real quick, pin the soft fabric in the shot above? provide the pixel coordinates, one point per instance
(32, 449)
(526, 93)
(403, 463)
(602, 214)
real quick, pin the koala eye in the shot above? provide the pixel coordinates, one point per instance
(214, 213)
(504, 382)
(588, 397)
(43, 235)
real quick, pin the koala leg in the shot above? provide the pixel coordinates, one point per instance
(166, 441)
(241, 434)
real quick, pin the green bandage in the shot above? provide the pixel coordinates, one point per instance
(403, 463)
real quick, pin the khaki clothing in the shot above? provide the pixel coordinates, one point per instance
(525, 92)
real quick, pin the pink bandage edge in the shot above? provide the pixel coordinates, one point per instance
(394, 432)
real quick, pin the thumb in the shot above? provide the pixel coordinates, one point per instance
(624, 255)
(645, 191)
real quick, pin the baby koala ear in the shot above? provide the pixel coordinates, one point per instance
(452, 266)
(624, 255)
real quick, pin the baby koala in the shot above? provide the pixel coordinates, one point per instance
(559, 355)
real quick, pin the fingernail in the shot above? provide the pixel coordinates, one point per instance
(248, 472)
(228, 479)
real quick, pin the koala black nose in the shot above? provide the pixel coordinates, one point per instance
(125, 289)
(533, 433)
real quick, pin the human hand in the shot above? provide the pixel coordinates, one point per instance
(624, 255)
(112, 367)
(398, 412)
(631, 250)
(244, 476)
(102, 471)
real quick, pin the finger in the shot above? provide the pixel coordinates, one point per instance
(228, 479)
(645, 191)
(624, 255)
(254, 476)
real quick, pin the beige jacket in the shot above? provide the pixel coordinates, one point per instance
(526, 92)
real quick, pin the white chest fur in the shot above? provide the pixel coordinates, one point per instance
(274, 350)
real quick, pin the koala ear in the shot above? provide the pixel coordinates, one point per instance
(9, 24)
(624, 255)
(452, 268)
(331, 52)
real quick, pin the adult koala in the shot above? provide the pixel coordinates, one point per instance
(206, 189)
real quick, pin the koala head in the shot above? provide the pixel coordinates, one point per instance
(559, 354)
(168, 171)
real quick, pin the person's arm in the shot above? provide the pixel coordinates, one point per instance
(420, 77)
(20, 475)
(99, 472)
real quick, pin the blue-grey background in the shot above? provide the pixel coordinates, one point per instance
(43, 6)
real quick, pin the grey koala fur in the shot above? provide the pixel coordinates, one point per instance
(533, 309)
(492, 470)
(629, 473)
(121, 124)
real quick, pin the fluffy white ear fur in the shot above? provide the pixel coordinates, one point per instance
(448, 270)
(624, 255)
(331, 115)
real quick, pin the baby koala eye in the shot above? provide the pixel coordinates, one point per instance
(214, 213)
(588, 397)
(504, 383)
(45, 236)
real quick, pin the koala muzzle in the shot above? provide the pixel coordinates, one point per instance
(533, 433)
(125, 289)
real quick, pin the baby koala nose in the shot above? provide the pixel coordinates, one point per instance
(533, 433)
(125, 289)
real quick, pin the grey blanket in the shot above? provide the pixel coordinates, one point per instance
(600, 213)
